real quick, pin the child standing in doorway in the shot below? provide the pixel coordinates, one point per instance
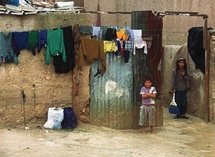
(180, 86)
(147, 108)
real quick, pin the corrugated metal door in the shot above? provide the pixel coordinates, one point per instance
(111, 95)
(151, 26)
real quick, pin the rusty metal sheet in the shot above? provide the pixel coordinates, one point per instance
(111, 95)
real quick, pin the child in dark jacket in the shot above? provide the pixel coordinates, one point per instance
(180, 86)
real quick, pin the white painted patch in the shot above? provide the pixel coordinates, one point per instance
(111, 87)
(119, 92)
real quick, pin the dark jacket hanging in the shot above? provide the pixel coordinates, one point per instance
(195, 47)
(59, 64)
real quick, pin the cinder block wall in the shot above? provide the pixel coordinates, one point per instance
(175, 27)
(41, 21)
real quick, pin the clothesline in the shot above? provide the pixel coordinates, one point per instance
(116, 41)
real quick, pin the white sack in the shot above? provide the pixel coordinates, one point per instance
(55, 117)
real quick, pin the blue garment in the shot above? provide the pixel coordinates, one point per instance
(20, 41)
(131, 34)
(42, 43)
(13, 2)
(6, 51)
(181, 101)
(70, 120)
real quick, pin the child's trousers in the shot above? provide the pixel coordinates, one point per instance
(147, 115)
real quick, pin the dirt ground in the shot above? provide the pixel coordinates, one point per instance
(177, 138)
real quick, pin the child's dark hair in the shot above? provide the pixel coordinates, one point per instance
(147, 78)
(185, 64)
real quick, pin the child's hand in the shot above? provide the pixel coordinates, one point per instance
(151, 95)
(147, 94)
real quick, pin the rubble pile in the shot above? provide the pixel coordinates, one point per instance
(26, 7)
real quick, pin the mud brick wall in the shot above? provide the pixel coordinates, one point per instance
(42, 87)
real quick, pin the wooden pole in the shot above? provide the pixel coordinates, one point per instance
(207, 67)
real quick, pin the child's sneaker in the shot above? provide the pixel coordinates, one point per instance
(184, 117)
